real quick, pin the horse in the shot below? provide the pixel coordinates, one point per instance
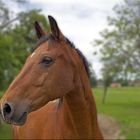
(51, 97)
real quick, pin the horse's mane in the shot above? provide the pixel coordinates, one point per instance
(71, 44)
(84, 59)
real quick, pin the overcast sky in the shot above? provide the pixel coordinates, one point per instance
(79, 20)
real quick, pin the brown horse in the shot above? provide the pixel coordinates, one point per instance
(53, 88)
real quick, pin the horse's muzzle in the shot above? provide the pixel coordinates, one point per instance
(14, 115)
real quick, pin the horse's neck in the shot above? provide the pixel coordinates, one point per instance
(78, 106)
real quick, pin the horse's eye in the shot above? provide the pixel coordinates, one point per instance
(46, 61)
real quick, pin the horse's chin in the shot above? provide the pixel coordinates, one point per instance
(21, 121)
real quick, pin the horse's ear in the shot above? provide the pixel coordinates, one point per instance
(55, 29)
(39, 30)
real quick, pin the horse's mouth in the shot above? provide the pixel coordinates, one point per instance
(20, 121)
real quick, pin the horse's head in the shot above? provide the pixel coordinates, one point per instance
(48, 74)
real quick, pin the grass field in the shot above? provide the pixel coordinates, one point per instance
(5, 131)
(122, 103)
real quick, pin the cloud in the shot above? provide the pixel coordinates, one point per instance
(80, 20)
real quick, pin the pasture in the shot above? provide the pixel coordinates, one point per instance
(122, 103)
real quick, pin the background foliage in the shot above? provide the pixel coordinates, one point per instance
(120, 45)
(17, 39)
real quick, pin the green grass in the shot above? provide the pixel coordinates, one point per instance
(124, 105)
(5, 131)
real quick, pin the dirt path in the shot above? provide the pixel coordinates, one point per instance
(110, 128)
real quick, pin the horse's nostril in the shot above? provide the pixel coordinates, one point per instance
(7, 109)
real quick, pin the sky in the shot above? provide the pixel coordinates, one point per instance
(80, 20)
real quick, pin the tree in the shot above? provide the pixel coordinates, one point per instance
(120, 45)
(16, 43)
(93, 78)
(5, 19)
(4, 14)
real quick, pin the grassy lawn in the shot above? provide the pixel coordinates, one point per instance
(5, 131)
(124, 105)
